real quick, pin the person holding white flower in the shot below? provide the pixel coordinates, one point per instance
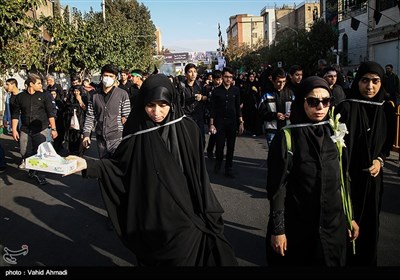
(371, 124)
(307, 223)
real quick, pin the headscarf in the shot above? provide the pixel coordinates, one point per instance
(156, 87)
(368, 67)
(298, 115)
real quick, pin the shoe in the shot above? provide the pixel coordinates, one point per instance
(229, 173)
(3, 168)
(32, 173)
(217, 168)
(210, 155)
(41, 180)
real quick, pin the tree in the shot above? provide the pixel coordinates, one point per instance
(133, 34)
(55, 55)
(15, 29)
(312, 45)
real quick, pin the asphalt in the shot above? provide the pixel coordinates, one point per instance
(64, 223)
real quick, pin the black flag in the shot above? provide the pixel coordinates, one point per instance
(355, 23)
(377, 16)
(219, 30)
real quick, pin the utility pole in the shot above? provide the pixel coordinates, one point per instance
(103, 8)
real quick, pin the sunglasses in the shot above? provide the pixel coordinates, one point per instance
(367, 80)
(313, 102)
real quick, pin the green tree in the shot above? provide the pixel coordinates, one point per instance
(55, 55)
(132, 34)
(15, 31)
(305, 48)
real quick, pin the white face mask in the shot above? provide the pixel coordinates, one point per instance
(108, 81)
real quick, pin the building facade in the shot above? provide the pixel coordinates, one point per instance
(245, 29)
(375, 34)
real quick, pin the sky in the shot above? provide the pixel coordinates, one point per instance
(191, 25)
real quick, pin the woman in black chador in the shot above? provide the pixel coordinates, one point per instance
(156, 187)
(307, 223)
(370, 121)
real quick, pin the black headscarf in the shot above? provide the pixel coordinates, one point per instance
(155, 88)
(157, 191)
(368, 67)
(298, 115)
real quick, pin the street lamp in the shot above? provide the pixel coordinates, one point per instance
(291, 28)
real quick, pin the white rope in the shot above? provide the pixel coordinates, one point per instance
(153, 128)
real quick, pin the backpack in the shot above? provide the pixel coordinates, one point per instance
(288, 136)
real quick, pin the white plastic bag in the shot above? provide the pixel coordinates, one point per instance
(74, 121)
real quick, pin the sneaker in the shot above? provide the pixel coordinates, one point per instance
(41, 180)
(32, 173)
(210, 155)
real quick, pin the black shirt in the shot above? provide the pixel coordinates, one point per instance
(35, 110)
(127, 87)
(225, 103)
(107, 96)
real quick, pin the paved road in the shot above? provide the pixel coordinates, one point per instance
(64, 223)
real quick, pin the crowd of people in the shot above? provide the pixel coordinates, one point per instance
(325, 193)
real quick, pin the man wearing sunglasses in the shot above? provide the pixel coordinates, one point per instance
(275, 105)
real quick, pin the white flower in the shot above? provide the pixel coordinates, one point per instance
(339, 129)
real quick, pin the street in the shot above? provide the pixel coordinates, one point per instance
(64, 223)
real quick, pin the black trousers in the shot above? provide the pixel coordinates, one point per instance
(226, 131)
(211, 143)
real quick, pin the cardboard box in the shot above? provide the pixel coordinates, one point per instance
(49, 161)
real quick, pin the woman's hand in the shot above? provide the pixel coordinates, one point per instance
(353, 234)
(279, 244)
(81, 164)
(375, 168)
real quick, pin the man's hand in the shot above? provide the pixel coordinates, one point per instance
(280, 116)
(241, 128)
(15, 135)
(54, 134)
(198, 96)
(123, 120)
(81, 164)
(86, 142)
